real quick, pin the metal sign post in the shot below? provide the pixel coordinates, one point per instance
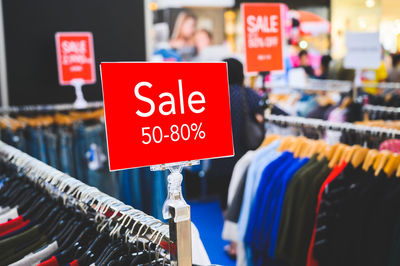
(177, 211)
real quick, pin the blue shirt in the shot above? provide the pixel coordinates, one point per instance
(258, 206)
(263, 157)
(283, 184)
(267, 213)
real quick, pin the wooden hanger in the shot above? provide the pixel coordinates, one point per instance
(336, 156)
(398, 172)
(392, 164)
(306, 148)
(311, 149)
(327, 152)
(359, 156)
(269, 139)
(380, 161)
(299, 146)
(286, 143)
(370, 159)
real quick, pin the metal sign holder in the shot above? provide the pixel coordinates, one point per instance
(177, 211)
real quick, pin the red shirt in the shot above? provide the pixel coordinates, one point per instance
(74, 263)
(4, 227)
(311, 261)
(15, 228)
(50, 262)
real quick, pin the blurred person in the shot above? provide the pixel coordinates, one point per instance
(220, 170)
(305, 64)
(325, 63)
(182, 39)
(203, 39)
(394, 74)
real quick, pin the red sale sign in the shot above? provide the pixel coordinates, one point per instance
(263, 36)
(159, 113)
(75, 57)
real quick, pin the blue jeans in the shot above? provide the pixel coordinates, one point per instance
(14, 138)
(66, 155)
(98, 173)
(35, 143)
(131, 188)
(81, 168)
(51, 144)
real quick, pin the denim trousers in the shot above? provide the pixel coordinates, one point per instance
(98, 174)
(14, 138)
(51, 146)
(66, 154)
(35, 144)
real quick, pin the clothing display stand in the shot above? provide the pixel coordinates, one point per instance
(315, 85)
(383, 109)
(48, 107)
(177, 211)
(322, 124)
(387, 86)
(144, 225)
(80, 101)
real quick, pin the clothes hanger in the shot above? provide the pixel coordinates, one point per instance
(299, 145)
(286, 143)
(269, 139)
(370, 159)
(392, 164)
(359, 156)
(328, 152)
(336, 155)
(348, 153)
(380, 161)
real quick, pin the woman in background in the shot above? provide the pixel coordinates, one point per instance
(182, 39)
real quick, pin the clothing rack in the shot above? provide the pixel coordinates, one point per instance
(383, 109)
(49, 107)
(382, 85)
(316, 85)
(87, 197)
(322, 124)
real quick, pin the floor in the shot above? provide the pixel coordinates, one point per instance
(207, 216)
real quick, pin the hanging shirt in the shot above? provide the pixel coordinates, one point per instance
(37, 256)
(9, 215)
(238, 172)
(335, 172)
(263, 157)
(258, 208)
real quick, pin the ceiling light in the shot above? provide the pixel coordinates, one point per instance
(369, 3)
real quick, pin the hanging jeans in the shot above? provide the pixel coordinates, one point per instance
(14, 138)
(50, 140)
(35, 143)
(66, 154)
(98, 173)
(131, 187)
(160, 192)
(81, 168)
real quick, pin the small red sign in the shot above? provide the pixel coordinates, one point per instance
(160, 113)
(75, 57)
(263, 36)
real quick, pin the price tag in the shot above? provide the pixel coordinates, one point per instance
(159, 113)
(75, 58)
(263, 36)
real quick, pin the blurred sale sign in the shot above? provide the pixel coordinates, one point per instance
(158, 113)
(263, 36)
(75, 58)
